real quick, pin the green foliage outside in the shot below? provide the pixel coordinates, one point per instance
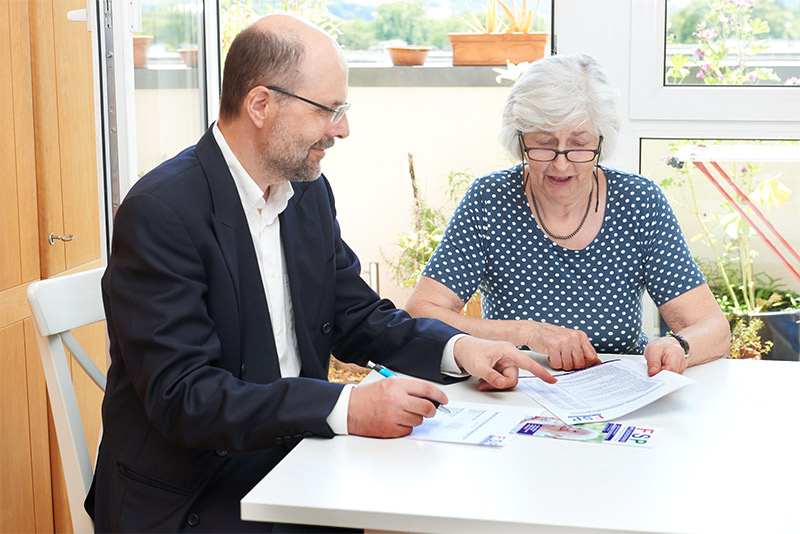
(401, 20)
(172, 24)
(783, 20)
(728, 35)
(407, 21)
(236, 15)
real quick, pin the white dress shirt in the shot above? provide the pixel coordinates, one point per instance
(265, 228)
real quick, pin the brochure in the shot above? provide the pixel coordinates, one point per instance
(602, 393)
(614, 433)
(475, 424)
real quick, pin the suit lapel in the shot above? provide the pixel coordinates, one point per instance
(258, 350)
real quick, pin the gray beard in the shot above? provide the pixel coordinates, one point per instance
(283, 157)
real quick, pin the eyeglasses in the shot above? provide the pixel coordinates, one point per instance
(338, 113)
(575, 155)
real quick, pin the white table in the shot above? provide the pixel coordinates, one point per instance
(728, 462)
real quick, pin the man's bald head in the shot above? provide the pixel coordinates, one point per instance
(271, 51)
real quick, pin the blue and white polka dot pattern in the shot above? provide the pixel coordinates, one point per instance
(493, 243)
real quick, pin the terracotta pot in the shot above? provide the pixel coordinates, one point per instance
(141, 43)
(496, 48)
(407, 56)
(189, 56)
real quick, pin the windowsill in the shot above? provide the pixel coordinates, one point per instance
(438, 74)
(433, 74)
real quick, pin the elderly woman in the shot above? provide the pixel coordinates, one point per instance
(561, 247)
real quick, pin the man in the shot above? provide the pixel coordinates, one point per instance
(227, 290)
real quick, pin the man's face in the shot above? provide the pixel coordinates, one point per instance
(292, 154)
(303, 132)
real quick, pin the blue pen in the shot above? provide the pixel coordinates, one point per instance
(388, 374)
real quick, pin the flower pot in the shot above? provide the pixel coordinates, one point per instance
(497, 48)
(407, 56)
(189, 56)
(141, 43)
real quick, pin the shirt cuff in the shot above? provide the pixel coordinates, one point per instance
(337, 419)
(449, 365)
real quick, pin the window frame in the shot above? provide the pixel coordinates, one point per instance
(651, 99)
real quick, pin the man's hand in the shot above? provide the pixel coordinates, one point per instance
(496, 363)
(566, 348)
(665, 353)
(392, 407)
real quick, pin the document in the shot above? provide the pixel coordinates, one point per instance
(606, 432)
(475, 424)
(603, 392)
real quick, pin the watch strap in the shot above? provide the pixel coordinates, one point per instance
(684, 344)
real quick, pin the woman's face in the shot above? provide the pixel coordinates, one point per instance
(561, 180)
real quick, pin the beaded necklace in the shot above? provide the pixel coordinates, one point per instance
(548, 232)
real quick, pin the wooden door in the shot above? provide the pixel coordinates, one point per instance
(48, 183)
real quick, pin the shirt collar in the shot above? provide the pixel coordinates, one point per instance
(251, 195)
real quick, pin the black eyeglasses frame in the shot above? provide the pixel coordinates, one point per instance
(338, 112)
(526, 150)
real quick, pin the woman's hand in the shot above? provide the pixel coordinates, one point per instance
(566, 348)
(665, 353)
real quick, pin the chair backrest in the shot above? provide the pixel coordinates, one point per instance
(59, 305)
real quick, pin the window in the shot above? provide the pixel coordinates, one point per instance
(364, 30)
(733, 200)
(732, 42)
(650, 98)
(168, 80)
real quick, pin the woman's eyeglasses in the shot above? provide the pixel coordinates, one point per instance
(575, 155)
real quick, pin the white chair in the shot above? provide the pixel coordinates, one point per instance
(59, 305)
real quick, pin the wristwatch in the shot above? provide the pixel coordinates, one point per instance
(683, 342)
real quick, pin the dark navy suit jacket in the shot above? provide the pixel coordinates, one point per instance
(196, 412)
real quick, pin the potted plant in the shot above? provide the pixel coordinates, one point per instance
(764, 313)
(417, 246)
(502, 35)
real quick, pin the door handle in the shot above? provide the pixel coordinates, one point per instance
(77, 15)
(66, 238)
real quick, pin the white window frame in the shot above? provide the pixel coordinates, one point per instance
(650, 99)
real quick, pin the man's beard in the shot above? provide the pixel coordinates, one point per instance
(289, 157)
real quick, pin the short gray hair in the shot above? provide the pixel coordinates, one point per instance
(258, 57)
(557, 92)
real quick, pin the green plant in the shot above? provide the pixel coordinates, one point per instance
(737, 286)
(417, 246)
(171, 23)
(236, 15)
(727, 38)
(745, 340)
(517, 19)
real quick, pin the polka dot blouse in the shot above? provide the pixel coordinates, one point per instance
(493, 244)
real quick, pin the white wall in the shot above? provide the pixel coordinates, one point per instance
(444, 128)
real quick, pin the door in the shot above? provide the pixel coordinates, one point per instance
(48, 185)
